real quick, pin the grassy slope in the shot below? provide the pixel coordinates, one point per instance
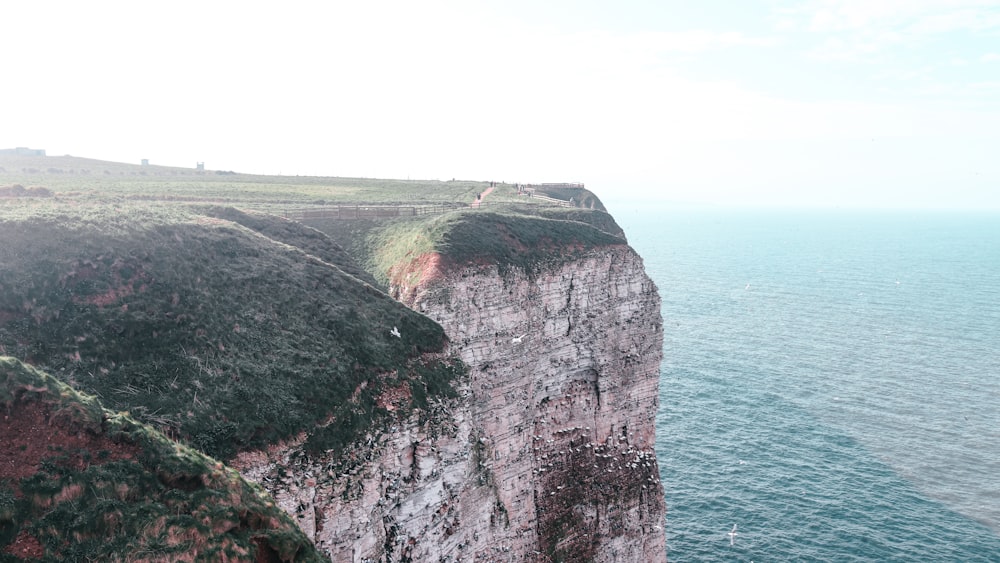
(292, 233)
(89, 180)
(233, 329)
(523, 237)
(230, 329)
(84, 179)
(582, 197)
(107, 487)
(211, 331)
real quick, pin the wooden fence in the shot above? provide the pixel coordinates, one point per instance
(561, 202)
(361, 211)
(386, 211)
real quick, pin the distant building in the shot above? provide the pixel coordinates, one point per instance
(24, 151)
(200, 166)
(145, 162)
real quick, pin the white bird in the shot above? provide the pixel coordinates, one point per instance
(395, 332)
(517, 339)
(732, 535)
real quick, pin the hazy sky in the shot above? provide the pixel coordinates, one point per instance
(851, 103)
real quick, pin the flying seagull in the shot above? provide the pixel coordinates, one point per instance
(517, 339)
(395, 332)
(732, 536)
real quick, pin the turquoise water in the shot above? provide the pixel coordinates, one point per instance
(830, 384)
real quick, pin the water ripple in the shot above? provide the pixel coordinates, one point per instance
(831, 412)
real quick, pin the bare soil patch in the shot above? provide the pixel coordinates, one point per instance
(25, 546)
(28, 435)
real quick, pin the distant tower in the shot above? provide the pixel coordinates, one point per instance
(200, 166)
(145, 162)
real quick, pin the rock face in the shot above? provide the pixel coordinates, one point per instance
(546, 456)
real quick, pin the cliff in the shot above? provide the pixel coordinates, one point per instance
(497, 406)
(563, 386)
(547, 452)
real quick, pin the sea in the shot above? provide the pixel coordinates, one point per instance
(830, 385)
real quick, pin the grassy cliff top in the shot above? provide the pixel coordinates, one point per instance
(232, 328)
(89, 484)
(174, 294)
(86, 179)
(523, 238)
(228, 330)
(82, 179)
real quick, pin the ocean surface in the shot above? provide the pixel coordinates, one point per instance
(830, 383)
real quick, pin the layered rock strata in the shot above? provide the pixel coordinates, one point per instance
(546, 455)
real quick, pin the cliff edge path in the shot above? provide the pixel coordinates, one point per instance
(480, 197)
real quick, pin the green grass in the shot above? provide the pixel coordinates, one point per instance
(233, 329)
(170, 293)
(525, 238)
(581, 197)
(210, 330)
(308, 240)
(168, 501)
(87, 180)
(91, 180)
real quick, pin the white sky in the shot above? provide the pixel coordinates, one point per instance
(847, 103)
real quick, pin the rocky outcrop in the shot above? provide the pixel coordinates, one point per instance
(564, 368)
(546, 455)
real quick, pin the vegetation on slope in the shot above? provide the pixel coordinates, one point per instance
(226, 329)
(523, 238)
(292, 233)
(80, 483)
(581, 197)
(211, 331)
(91, 180)
(600, 220)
